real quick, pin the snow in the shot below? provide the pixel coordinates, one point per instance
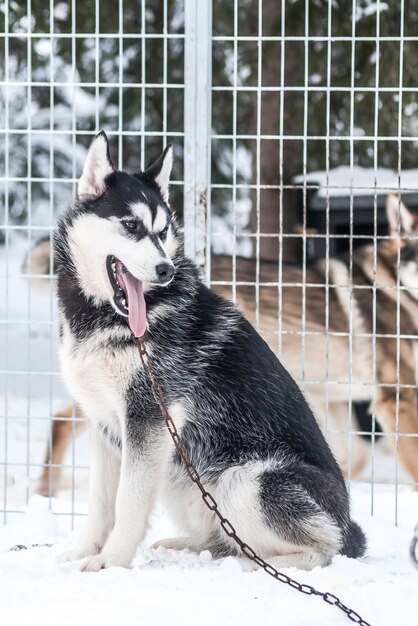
(222, 230)
(229, 231)
(29, 343)
(163, 586)
(185, 588)
(370, 8)
(356, 180)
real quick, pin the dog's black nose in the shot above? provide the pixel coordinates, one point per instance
(165, 272)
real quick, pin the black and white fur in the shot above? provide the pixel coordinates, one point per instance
(243, 421)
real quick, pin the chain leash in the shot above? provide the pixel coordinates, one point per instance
(210, 502)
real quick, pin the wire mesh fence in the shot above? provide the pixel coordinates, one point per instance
(292, 122)
(321, 144)
(69, 69)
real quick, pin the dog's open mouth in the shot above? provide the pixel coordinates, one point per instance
(128, 295)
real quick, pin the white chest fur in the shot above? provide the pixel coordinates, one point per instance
(98, 375)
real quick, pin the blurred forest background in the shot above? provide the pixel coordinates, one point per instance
(75, 86)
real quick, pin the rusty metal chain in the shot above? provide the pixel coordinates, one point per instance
(210, 502)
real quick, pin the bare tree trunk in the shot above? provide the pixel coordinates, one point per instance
(268, 220)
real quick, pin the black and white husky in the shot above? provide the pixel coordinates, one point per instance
(243, 421)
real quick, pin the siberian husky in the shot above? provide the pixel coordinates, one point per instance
(350, 358)
(243, 420)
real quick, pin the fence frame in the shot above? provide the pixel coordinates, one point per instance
(197, 130)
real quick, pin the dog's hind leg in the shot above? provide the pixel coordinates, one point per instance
(104, 477)
(306, 559)
(216, 546)
(398, 416)
(174, 543)
(63, 429)
(273, 509)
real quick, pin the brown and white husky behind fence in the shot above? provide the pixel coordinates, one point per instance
(345, 335)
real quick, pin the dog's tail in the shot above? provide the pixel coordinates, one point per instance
(355, 542)
(40, 265)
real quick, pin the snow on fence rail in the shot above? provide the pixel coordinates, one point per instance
(257, 97)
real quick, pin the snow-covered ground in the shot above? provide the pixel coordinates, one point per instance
(181, 588)
(163, 586)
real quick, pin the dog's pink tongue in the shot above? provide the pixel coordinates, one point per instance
(136, 301)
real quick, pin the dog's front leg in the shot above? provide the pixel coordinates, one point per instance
(398, 415)
(135, 498)
(103, 481)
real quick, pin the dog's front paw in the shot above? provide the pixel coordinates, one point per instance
(103, 561)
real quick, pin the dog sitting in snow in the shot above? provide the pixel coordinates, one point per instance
(243, 421)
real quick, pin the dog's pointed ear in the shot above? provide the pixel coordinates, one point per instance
(397, 212)
(160, 171)
(98, 166)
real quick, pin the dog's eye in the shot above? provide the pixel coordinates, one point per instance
(163, 234)
(135, 227)
(131, 226)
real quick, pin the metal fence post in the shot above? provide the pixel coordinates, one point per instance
(197, 129)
